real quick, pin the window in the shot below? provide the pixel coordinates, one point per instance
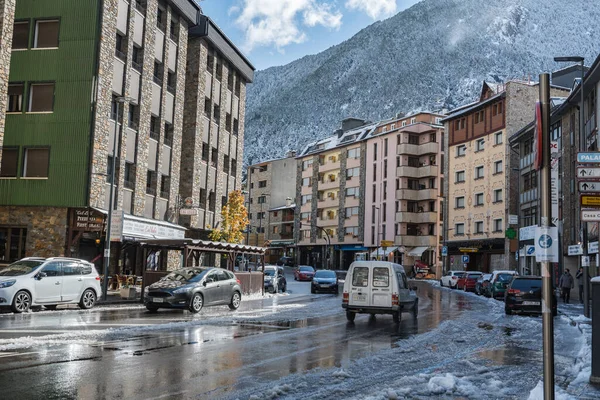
(413, 139)
(413, 120)
(480, 145)
(498, 167)
(275, 229)
(351, 231)
(306, 234)
(374, 193)
(393, 127)
(262, 199)
(461, 150)
(10, 159)
(151, 178)
(479, 227)
(202, 200)
(385, 148)
(374, 172)
(385, 168)
(463, 122)
(478, 199)
(214, 157)
(307, 182)
(497, 195)
(479, 116)
(460, 176)
(260, 215)
(15, 97)
(129, 177)
(403, 123)
(306, 199)
(41, 97)
(374, 151)
(459, 202)
(20, 38)
(120, 47)
(351, 211)
(360, 276)
(307, 164)
(46, 34)
(498, 138)
(498, 225)
(459, 229)
(12, 243)
(353, 153)
(352, 192)
(36, 162)
(432, 138)
(500, 108)
(160, 19)
(381, 277)
(479, 172)
(262, 184)
(165, 186)
(305, 216)
(352, 172)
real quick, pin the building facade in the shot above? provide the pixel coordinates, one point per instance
(104, 72)
(480, 190)
(403, 181)
(329, 197)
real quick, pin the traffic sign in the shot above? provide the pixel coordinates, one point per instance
(589, 186)
(589, 157)
(444, 251)
(590, 215)
(585, 261)
(510, 233)
(587, 173)
(387, 243)
(530, 250)
(590, 200)
(465, 259)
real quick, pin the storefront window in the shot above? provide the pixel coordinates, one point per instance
(12, 244)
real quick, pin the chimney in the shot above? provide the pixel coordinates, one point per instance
(291, 153)
(339, 133)
(288, 201)
(400, 115)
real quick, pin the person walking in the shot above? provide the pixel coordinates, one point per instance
(566, 283)
(579, 277)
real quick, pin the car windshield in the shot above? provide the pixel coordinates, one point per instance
(185, 274)
(307, 269)
(459, 274)
(21, 268)
(270, 272)
(325, 274)
(473, 276)
(504, 277)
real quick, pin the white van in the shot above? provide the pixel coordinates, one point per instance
(378, 287)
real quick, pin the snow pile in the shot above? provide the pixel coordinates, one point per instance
(537, 393)
(341, 374)
(442, 384)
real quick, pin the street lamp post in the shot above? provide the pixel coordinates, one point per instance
(582, 147)
(377, 241)
(111, 200)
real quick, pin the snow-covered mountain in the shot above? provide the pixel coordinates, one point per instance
(432, 55)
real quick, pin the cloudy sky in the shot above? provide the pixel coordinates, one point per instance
(276, 32)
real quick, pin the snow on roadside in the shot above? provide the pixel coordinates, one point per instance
(537, 393)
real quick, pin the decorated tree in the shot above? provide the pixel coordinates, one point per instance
(234, 219)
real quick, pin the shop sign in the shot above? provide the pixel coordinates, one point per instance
(145, 229)
(87, 219)
(527, 232)
(116, 226)
(575, 250)
(593, 248)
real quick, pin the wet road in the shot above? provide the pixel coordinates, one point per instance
(128, 353)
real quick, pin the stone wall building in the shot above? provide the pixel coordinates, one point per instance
(112, 88)
(7, 16)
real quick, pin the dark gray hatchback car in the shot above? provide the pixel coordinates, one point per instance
(193, 288)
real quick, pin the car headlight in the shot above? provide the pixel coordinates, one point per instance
(181, 290)
(6, 284)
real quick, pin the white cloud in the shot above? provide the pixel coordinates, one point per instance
(375, 9)
(279, 22)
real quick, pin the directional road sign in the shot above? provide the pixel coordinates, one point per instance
(589, 186)
(590, 200)
(590, 215)
(589, 157)
(587, 173)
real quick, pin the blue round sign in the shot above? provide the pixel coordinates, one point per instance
(545, 241)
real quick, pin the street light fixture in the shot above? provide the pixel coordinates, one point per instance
(582, 147)
(111, 200)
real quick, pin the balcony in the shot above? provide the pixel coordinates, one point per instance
(417, 172)
(419, 149)
(328, 184)
(416, 195)
(417, 218)
(328, 202)
(415, 241)
(329, 166)
(326, 221)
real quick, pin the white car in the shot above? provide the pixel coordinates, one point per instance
(450, 278)
(48, 282)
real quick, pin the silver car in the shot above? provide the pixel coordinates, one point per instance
(193, 288)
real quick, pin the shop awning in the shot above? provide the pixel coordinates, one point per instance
(380, 252)
(417, 251)
(351, 247)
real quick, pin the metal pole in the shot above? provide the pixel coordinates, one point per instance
(110, 209)
(547, 318)
(583, 143)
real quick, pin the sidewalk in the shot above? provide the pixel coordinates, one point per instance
(113, 297)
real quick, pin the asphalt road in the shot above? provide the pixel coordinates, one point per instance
(128, 353)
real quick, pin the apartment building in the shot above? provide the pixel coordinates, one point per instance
(271, 188)
(403, 182)
(329, 197)
(7, 13)
(84, 74)
(480, 194)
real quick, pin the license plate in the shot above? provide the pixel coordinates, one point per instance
(531, 303)
(359, 297)
(324, 285)
(158, 300)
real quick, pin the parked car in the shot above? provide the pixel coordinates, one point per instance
(193, 288)
(498, 283)
(274, 279)
(48, 282)
(524, 295)
(324, 281)
(450, 279)
(378, 287)
(304, 273)
(468, 281)
(286, 261)
(482, 284)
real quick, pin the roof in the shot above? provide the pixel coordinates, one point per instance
(188, 9)
(205, 245)
(474, 106)
(417, 128)
(291, 206)
(350, 136)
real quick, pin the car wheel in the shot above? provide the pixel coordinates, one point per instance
(441, 283)
(88, 299)
(152, 309)
(507, 311)
(295, 278)
(313, 291)
(21, 302)
(284, 289)
(196, 303)
(236, 299)
(397, 316)
(416, 308)
(50, 307)
(350, 316)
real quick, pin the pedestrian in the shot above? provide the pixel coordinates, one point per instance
(579, 277)
(566, 283)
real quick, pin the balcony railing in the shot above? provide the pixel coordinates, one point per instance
(151, 191)
(129, 184)
(120, 55)
(157, 80)
(136, 66)
(164, 194)
(154, 135)
(171, 89)
(140, 7)
(174, 37)
(133, 125)
(168, 140)
(161, 26)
